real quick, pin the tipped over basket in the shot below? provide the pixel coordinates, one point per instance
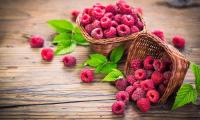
(147, 44)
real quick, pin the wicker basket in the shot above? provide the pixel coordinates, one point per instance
(148, 44)
(105, 46)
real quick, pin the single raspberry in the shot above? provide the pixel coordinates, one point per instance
(136, 64)
(97, 33)
(114, 24)
(87, 75)
(122, 96)
(147, 84)
(178, 41)
(123, 30)
(157, 77)
(125, 8)
(140, 25)
(140, 74)
(111, 8)
(89, 28)
(159, 34)
(118, 18)
(110, 32)
(96, 24)
(131, 79)
(138, 94)
(69, 61)
(118, 107)
(105, 22)
(134, 29)
(47, 54)
(36, 41)
(85, 19)
(119, 2)
(99, 5)
(138, 10)
(128, 20)
(109, 15)
(148, 63)
(121, 84)
(159, 65)
(136, 84)
(149, 73)
(74, 14)
(130, 89)
(161, 89)
(153, 96)
(88, 11)
(143, 104)
(97, 13)
(167, 75)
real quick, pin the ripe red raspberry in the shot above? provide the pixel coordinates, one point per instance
(88, 11)
(119, 2)
(159, 65)
(138, 11)
(118, 18)
(122, 96)
(140, 74)
(143, 104)
(99, 5)
(110, 32)
(36, 41)
(147, 84)
(118, 107)
(178, 41)
(138, 93)
(128, 20)
(131, 79)
(149, 73)
(134, 29)
(97, 13)
(140, 25)
(69, 61)
(85, 19)
(157, 77)
(111, 8)
(47, 54)
(114, 24)
(105, 22)
(125, 8)
(87, 75)
(167, 75)
(136, 64)
(109, 15)
(88, 28)
(130, 89)
(148, 63)
(159, 34)
(97, 33)
(121, 84)
(161, 89)
(136, 84)
(153, 96)
(123, 30)
(74, 14)
(96, 24)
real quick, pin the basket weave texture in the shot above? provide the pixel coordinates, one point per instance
(147, 44)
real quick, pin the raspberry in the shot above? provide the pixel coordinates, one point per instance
(131, 79)
(178, 41)
(161, 89)
(130, 90)
(125, 8)
(121, 84)
(128, 20)
(138, 94)
(122, 96)
(74, 14)
(159, 65)
(138, 11)
(98, 5)
(47, 54)
(88, 28)
(123, 30)
(69, 61)
(136, 84)
(110, 32)
(88, 11)
(119, 2)
(140, 74)
(85, 19)
(96, 24)
(109, 15)
(136, 64)
(36, 41)
(149, 73)
(153, 96)
(134, 29)
(157, 77)
(97, 33)
(167, 75)
(87, 75)
(105, 22)
(97, 13)
(140, 24)
(147, 84)
(118, 18)
(111, 8)
(143, 104)
(159, 34)
(114, 24)
(148, 63)
(118, 107)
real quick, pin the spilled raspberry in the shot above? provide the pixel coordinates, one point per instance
(147, 84)
(178, 41)
(153, 96)
(36, 41)
(118, 107)
(47, 54)
(131, 79)
(87, 75)
(121, 84)
(69, 61)
(143, 104)
(157, 77)
(122, 96)
(138, 94)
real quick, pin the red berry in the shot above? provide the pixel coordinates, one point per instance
(159, 34)
(47, 54)
(114, 24)
(134, 29)
(147, 84)
(105, 22)
(111, 8)
(121, 84)
(130, 89)
(97, 13)
(128, 20)
(97, 33)
(159, 65)
(178, 41)
(153, 96)
(89, 28)
(87, 75)
(131, 79)
(96, 24)
(122, 96)
(157, 77)
(88, 11)
(36, 41)
(118, 18)
(69, 61)
(136, 84)
(110, 32)
(148, 63)
(140, 25)
(85, 19)
(138, 11)
(143, 104)
(125, 8)
(118, 107)
(74, 14)
(136, 64)
(109, 15)
(149, 73)
(138, 94)
(123, 30)
(140, 74)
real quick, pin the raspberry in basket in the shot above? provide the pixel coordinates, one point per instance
(105, 22)
(140, 74)
(97, 33)
(128, 20)
(111, 8)
(109, 15)
(97, 13)
(134, 29)
(138, 94)
(148, 63)
(114, 24)
(136, 64)
(118, 18)
(159, 34)
(123, 30)
(89, 28)
(110, 32)
(157, 77)
(85, 19)
(159, 65)
(147, 84)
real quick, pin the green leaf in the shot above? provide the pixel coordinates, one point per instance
(106, 68)
(77, 30)
(80, 40)
(65, 49)
(117, 54)
(61, 25)
(113, 75)
(196, 70)
(96, 60)
(185, 95)
(61, 37)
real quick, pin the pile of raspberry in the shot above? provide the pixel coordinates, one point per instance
(111, 21)
(145, 85)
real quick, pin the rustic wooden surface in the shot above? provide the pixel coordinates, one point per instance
(33, 89)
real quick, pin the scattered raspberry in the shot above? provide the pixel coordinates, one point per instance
(111, 8)
(105, 22)
(136, 64)
(147, 84)
(123, 30)
(134, 29)
(143, 104)
(36, 41)
(148, 63)
(149, 73)
(69, 61)
(118, 18)
(153, 96)
(157, 77)
(88, 11)
(159, 34)
(87, 75)
(96, 24)
(88, 28)
(74, 14)
(122, 96)
(161, 89)
(130, 90)
(159, 65)
(140, 74)
(138, 11)
(114, 24)
(121, 84)
(109, 15)
(178, 41)
(128, 20)
(167, 75)
(131, 79)
(85, 19)
(97, 33)
(47, 54)
(97, 13)
(140, 25)
(118, 107)
(110, 32)
(138, 94)
(125, 8)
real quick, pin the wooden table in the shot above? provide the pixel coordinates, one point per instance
(33, 89)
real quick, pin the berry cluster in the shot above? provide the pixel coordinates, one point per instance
(145, 85)
(111, 20)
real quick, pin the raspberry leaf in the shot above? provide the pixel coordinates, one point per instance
(113, 75)
(80, 40)
(106, 68)
(61, 37)
(196, 70)
(96, 60)
(185, 95)
(61, 25)
(65, 48)
(117, 54)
